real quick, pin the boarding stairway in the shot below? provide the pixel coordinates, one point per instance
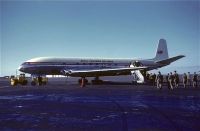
(138, 75)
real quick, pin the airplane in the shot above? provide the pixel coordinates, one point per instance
(92, 67)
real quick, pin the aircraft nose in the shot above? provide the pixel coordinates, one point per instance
(21, 68)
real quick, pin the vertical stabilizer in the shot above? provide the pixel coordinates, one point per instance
(161, 52)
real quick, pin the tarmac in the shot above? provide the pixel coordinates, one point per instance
(118, 106)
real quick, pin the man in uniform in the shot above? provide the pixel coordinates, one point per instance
(167, 80)
(171, 80)
(184, 80)
(154, 79)
(159, 80)
(83, 82)
(189, 79)
(39, 80)
(194, 80)
(176, 79)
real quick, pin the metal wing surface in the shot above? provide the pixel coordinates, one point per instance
(102, 72)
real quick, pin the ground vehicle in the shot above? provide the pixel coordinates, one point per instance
(21, 79)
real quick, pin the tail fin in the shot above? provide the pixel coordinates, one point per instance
(162, 52)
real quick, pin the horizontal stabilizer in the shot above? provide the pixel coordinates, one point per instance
(170, 60)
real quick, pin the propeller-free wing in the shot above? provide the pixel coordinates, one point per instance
(169, 60)
(101, 72)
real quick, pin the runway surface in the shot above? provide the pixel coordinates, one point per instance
(116, 106)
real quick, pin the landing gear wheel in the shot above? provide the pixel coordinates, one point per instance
(97, 81)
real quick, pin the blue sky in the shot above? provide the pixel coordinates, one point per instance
(100, 29)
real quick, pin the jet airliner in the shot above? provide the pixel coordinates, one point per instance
(90, 67)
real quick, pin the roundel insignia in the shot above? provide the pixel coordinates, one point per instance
(160, 52)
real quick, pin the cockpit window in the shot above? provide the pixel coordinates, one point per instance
(26, 63)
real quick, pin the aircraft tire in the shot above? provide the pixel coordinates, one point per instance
(97, 82)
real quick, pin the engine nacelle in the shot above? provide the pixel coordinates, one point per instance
(66, 72)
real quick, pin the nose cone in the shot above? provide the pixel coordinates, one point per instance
(21, 68)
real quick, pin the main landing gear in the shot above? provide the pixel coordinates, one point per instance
(83, 81)
(97, 81)
(39, 80)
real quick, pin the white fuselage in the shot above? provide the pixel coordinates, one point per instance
(53, 66)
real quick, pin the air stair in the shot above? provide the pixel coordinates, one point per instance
(137, 75)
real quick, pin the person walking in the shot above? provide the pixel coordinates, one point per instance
(194, 80)
(167, 80)
(176, 79)
(159, 80)
(154, 79)
(83, 81)
(171, 80)
(184, 80)
(189, 79)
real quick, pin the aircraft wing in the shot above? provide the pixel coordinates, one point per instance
(101, 72)
(170, 60)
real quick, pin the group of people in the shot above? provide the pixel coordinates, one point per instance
(173, 80)
(189, 80)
